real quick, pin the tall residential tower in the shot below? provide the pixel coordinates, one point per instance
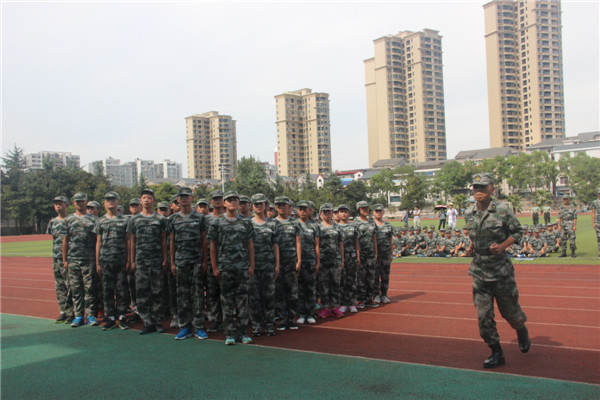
(211, 146)
(523, 42)
(405, 98)
(303, 133)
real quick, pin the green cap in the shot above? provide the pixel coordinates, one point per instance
(362, 204)
(202, 201)
(259, 198)
(244, 199)
(456, 230)
(336, 209)
(229, 194)
(216, 193)
(282, 200)
(184, 191)
(112, 195)
(120, 208)
(311, 204)
(93, 203)
(163, 204)
(378, 207)
(148, 191)
(135, 202)
(404, 229)
(303, 203)
(343, 207)
(61, 198)
(80, 196)
(326, 207)
(482, 179)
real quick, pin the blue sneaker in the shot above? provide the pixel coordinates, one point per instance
(184, 333)
(201, 334)
(230, 341)
(92, 321)
(245, 339)
(77, 322)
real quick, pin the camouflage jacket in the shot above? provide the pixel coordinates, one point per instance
(147, 231)
(350, 234)
(329, 242)
(113, 233)
(186, 231)
(596, 206)
(567, 215)
(58, 230)
(537, 243)
(366, 230)
(384, 232)
(308, 237)
(231, 237)
(82, 240)
(285, 235)
(264, 239)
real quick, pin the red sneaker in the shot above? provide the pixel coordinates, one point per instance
(324, 313)
(337, 313)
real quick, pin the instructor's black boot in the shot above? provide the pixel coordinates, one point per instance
(563, 254)
(497, 357)
(524, 342)
(573, 253)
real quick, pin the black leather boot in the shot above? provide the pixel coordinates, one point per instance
(524, 342)
(573, 253)
(497, 357)
(563, 254)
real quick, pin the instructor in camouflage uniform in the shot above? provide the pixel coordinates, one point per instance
(492, 228)
(595, 206)
(567, 224)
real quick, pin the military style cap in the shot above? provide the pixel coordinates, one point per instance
(378, 207)
(336, 209)
(482, 179)
(148, 191)
(120, 208)
(163, 204)
(326, 207)
(303, 203)
(216, 193)
(282, 200)
(184, 191)
(311, 204)
(259, 198)
(432, 227)
(134, 202)
(411, 229)
(61, 198)
(93, 203)
(442, 230)
(456, 230)
(112, 195)
(244, 199)
(404, 229)
(418, 228)
(80, 196)
(173, 198)
(291, 203)
(343, 207)
(202, 201)
(525, 226)
(230, 194)
(362, 204)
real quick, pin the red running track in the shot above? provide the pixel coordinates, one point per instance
(431, 319)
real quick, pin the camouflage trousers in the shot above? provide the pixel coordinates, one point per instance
(536, 218)
(81, 283)
(169, 304)
(261, 295)
(234, 300)
(286, 291)
(115, 288)
(365, 279)
(149, 290)
(213, 296)
(382, 274)
(131, 286)
(505, 292)
(98, 291)
(348, 280)
(61, 286)
(330, 273)
(190, 298)
(567, 234)
(598, 234)
(307, 289)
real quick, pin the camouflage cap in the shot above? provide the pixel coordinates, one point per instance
(303, 203)
(282, 200)
(184, 191)
(120, 208)
(525, 226)
(431, 226)
(80, 196)
(135, 202)
(482, 179)
(411, 229)
(336, 209)
(326, 207)
(61, 198)
(378, 207)
(148, 191)
(311, 204)
(343, 207)
(230, 194)
(216, 193)
(457, 230)
(93, 203)
(259, 198)
(362, 204)
(202, 201)
(404, 229)
(173, 198)
(244, 199)
(418, 228)
(112, 195)
(163, 204)
(442, 230)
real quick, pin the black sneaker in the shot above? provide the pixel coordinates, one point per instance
(135, 319)
(159, 328)
(148, 329)
(123, 324)
(256, 332)
(292, 325)
(110, 324)
(69, 319)
(270, 331)
(61, 319)
(214, 327)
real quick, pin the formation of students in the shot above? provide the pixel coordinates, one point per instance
(229, 263)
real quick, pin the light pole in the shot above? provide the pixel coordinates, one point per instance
(222, 170)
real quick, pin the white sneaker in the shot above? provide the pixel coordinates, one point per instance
(377, 299)
(353, 309)
(385, 300)
(343, 308)
(311, 320)
(175, 322)
(301, 321)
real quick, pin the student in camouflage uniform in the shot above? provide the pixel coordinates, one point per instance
(57, 228)
(93, 207)
(537, 245)
(430, 248)
(455, 243)
(384, 235)
(232, 256)
(493, 227)
(213, 287)
(595, 207)
(111, 261)
(245, 204)
(445, 244)
(535, 214)
(290, 259)
(331, 249)
(567, 223)
(188, 248)
(400, 243)
(465, 242)
(551, 239)
(148, 255)
(135, 207)
(169, 281)
(546, 211)
(351, 260)
(203, 206)
(307, 277)
(367, 243)
(79, 254)
(412, 241)
(261, 293)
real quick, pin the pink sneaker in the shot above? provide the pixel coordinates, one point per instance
(324, 313)
(337, 313)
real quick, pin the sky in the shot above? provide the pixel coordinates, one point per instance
(117, 79)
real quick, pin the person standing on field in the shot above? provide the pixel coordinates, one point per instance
(596, 218)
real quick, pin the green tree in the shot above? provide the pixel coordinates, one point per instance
(251, 178)
(356, 191)
(14, 202)
(382, 185)
(415, 186)
(583, 172)
(545, 170)
(164, 192)
(453, 176)
(460, 202)
(520, 175)
(515, 200)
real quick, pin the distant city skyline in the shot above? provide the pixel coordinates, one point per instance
(122, 89)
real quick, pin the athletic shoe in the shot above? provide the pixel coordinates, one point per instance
(311, 320)
(110, 324)
(61, 319)
(385, 300)
(292, 325)
(324, 313)
(353, 309)
(317, 306)
(372, 304)
(159, 328)
(201, 334)
(229, 340)
(270, 331)
(337, 313)
(184, 333)
(135, 318)
(361, 305)
(343, 308)
(301, 321)
(244, 339)
(377, 299)
(281, 326)
(77, 322)
(69, 319)
(214, 327)
(123, 324)
(174, 322)
(92, 321)
(256, 332)
(146, 329)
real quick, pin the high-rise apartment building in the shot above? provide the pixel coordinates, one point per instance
(523, 41)
(405, 98)
(129, 173)
(303, 133)
(60, 159)
(211, 146)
